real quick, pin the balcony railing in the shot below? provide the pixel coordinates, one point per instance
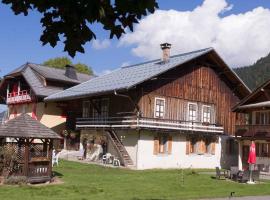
(253, 130)
(147, 123)
(19, 97)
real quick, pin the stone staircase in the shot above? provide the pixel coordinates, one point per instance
(124, 156)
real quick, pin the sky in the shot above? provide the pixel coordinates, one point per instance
(239, 30)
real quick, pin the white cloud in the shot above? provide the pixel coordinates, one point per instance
(103, 72)
(239, 38)
(101, 44)
(124, 64)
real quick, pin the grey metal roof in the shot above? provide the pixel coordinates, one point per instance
(31, 73)
(125, 77)
(25, 126)
(57, 74)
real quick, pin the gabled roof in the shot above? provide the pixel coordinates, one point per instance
(25, 126)
(253, 100)
(32, 73)
(126, 78)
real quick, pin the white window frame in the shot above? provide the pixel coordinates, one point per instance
(155, 107)
(202, 117)
(188, 119)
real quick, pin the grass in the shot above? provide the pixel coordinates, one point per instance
(83, 182)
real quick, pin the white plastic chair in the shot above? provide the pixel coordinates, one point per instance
(116, 162)
(55, 158)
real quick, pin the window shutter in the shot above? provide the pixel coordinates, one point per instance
(169, 144)
(213, 147)
(187, 145)
(203, 145)
(156, 145)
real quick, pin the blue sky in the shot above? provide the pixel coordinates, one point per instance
(19, 41)
(20, 38)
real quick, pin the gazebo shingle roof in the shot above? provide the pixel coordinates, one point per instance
(25, 126)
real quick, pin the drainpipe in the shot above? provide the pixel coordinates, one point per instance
(138, 113)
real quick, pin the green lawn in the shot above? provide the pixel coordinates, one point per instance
(83, 181)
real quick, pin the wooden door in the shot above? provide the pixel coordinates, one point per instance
(245, 153)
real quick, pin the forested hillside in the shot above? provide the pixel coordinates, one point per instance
(254, 75)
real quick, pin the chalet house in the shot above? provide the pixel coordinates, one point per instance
(165, 113)
(24, 89)
(256, 125)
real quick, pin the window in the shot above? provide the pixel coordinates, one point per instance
(162, 144)
(206, 113)
(263, 149)
(159, 107)
(192, 111)
(262, 117)
(86, 106)
(200, 145)
(101, 108)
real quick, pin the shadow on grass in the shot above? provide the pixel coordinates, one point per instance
(57, 174)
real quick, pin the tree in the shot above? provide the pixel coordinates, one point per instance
(72, 19)
(61, 62)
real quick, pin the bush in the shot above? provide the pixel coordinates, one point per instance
(15, 180)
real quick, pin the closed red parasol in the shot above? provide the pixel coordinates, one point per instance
(251, 161)
(252, 153)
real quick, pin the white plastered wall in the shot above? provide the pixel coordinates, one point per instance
(129, 140)
(178, 158)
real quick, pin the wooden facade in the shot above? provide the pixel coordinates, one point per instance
(197, 83)
(189, 83)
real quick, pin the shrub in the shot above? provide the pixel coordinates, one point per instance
(15, 180)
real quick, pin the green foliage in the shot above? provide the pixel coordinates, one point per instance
(8, 160)
(92, 182)
(83, 68)
(72, 19)
(256, 74)
(61, 62)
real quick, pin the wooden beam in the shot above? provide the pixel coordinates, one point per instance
(50, 158)
(26, 157)
(266, 93)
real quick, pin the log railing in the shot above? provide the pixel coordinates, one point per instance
(253, 128)
(147, 123)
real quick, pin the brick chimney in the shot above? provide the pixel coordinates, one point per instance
(165, 51)
(71, 72)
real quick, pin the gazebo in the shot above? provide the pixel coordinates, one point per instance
(26, 147)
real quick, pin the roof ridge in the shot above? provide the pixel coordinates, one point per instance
(173, 56)
(41, 65)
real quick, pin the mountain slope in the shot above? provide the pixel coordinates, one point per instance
(256, 74)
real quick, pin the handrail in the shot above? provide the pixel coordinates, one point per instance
(18, 97)
(144, 122)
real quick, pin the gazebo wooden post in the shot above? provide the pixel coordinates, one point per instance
(50, 156)
(26, 158)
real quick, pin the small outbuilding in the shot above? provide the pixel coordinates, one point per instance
(26, 149)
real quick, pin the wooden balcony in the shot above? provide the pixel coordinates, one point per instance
(23, 96)
(147, 123)
(253, 131)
